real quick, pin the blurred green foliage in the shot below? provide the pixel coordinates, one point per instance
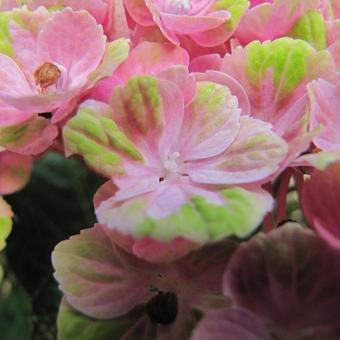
(56, 204)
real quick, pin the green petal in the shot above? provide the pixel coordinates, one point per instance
(320, 160)
(291, 62)
(311, 28)
(73, 325)
(95, 136)
(202, 222)
(5, 40)
(236, 8)
(139, 101)
(116, 52)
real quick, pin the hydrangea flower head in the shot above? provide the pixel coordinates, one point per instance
(105, 283)
(268, 20)
(108, 13)
(287, 284)
(207, 23)
(178, 150)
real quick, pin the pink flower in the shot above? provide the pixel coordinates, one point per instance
(271, 87)
(48, 70)
(105, 283)
(287, 283)
(206, 22)
(178, 150)
(108, 13)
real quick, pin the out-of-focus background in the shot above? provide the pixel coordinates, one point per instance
(56, 204)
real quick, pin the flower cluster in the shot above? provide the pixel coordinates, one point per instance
(203, 116)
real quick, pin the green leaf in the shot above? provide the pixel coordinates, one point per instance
(15, 312)
(55, 204)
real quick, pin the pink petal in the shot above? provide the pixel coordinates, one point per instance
(30, 137)
(206, 62)
(7, 5)
(231, 324)
(24, 38)
(320, 199)
(99, 279)
(72, 33)
(139, 12)
(268, 21)
(116, 21)
(334, 49)
(325, 101)
(156, 16)
(150, 112)
(10, 115)
(152, 250)
(290, 277)
(14, 171)
(254, 3)
(234, 86)
(12, 81)
(145, 59)
(181, 77)
(146, 248)
(185, 24)
(151, 58)
(210, 124)
(254, 155)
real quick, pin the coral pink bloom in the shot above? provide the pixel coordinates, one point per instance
(50, 68)
(268, 20)
(288, 278)
(320, 202)
(206, 22)
(109, 13)
(103, 282)
(14, 171)
(177, 148)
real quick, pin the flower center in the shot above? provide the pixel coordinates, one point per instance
(172, 165)
(177, 6)
(46, 75)
(163, 308)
